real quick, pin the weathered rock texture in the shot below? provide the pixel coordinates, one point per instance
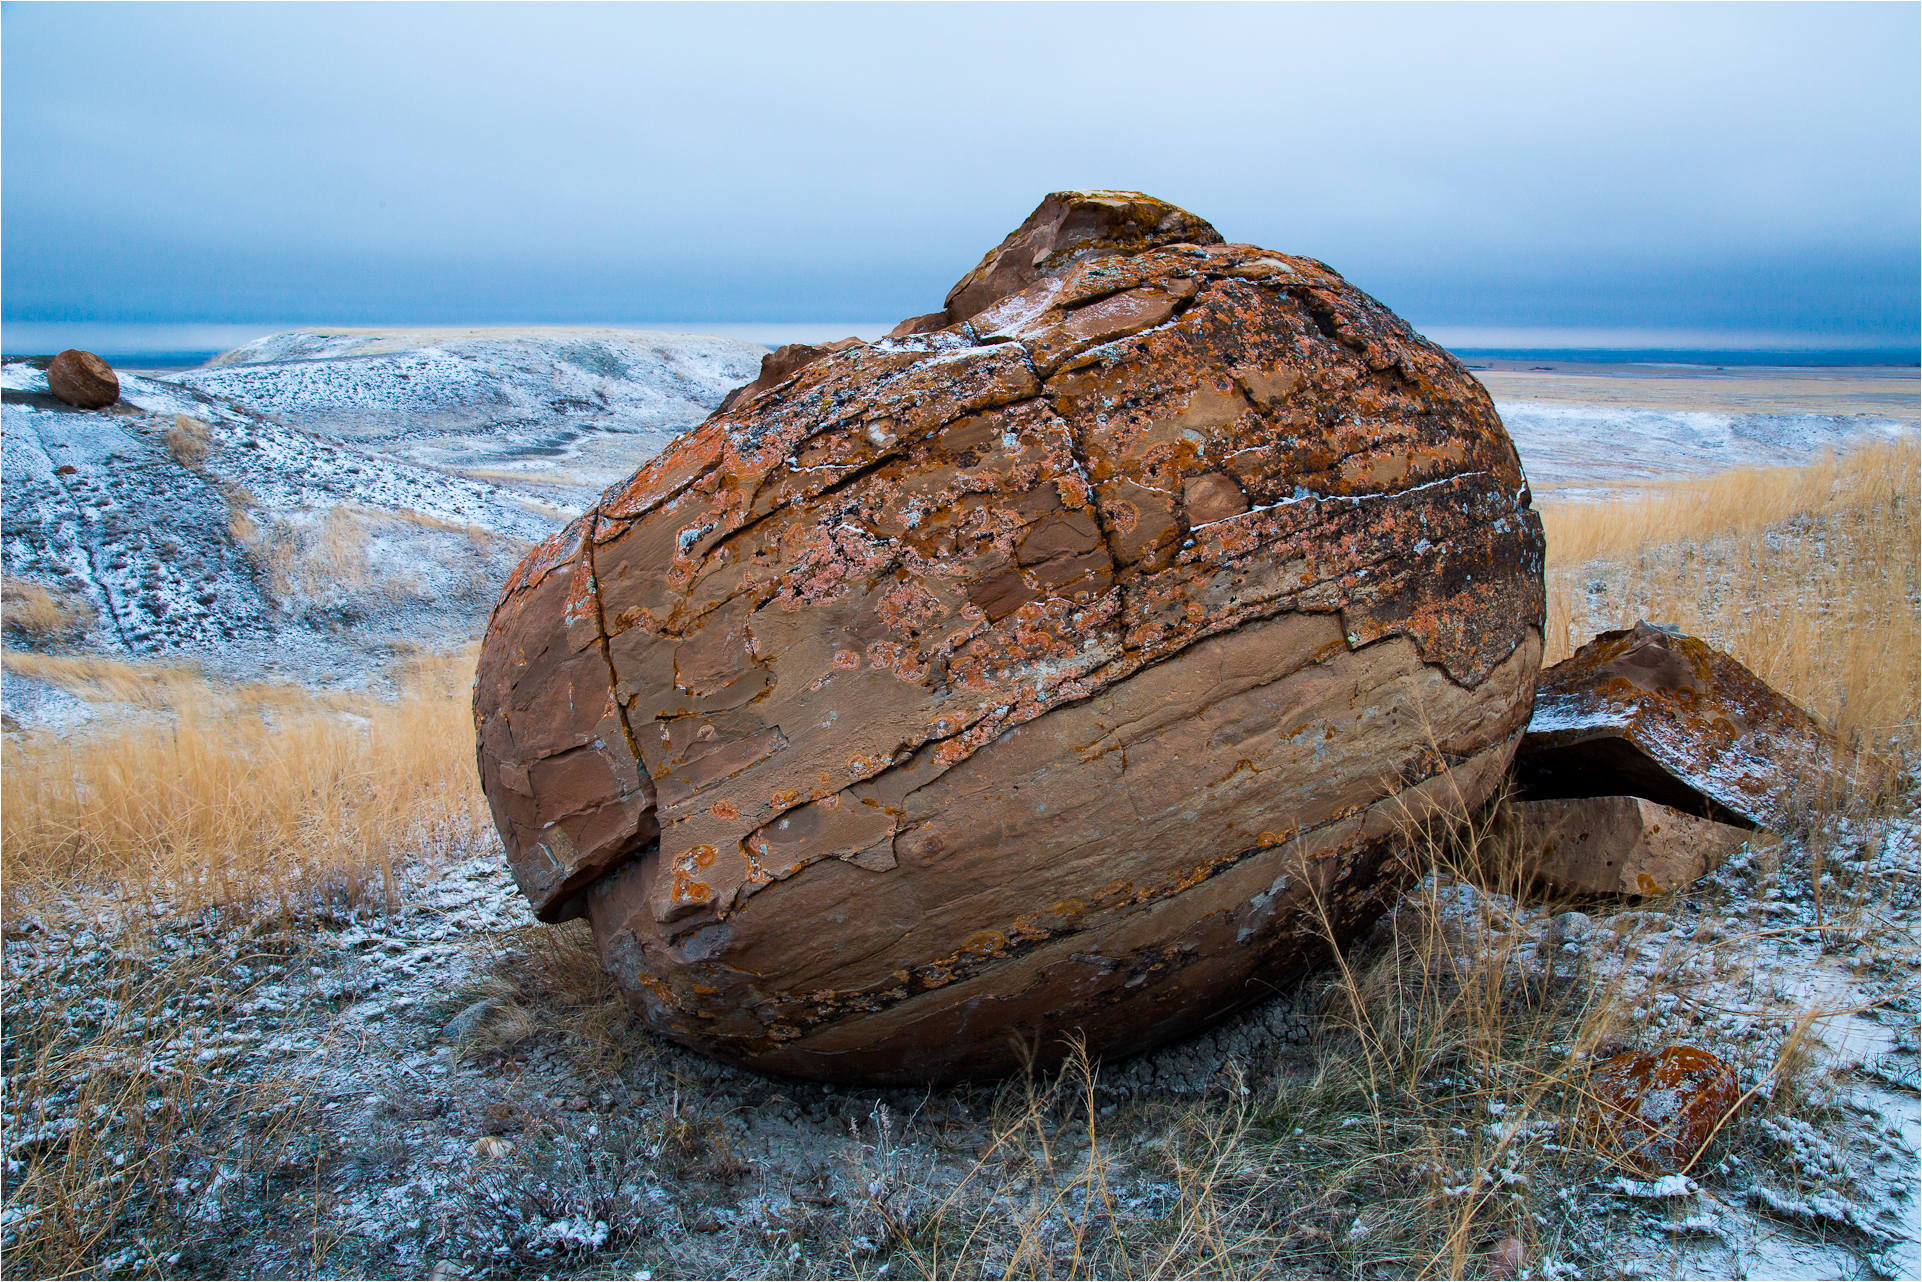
(83, 380)
(1048, 671)
(1655, 714)
(1659, 1109)
(1620, 845)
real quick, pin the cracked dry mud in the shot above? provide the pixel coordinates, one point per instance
(1067, 661)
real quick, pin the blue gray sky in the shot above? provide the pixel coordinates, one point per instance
(1721, 167)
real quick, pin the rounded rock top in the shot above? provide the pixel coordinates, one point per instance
(1067, 665)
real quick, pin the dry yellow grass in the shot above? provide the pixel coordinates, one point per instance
(187, 440)
(257, 796)
(141, 685)
(303, 557)
(518, 476)
(1807, 575)
(39, 615)
(479, 536)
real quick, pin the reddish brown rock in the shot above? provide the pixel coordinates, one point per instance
(1619, 845)
(1067, 228)
(1506, 1259)
(783, 363)
(1655, 714)
(1050, 672)
(83, 380)
(1658, 1110)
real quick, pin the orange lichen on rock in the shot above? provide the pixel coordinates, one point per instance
(1657, 1111)
(1152, 563)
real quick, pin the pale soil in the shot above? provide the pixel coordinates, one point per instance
(1882, 392)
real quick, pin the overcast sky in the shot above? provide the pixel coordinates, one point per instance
(1721, 166)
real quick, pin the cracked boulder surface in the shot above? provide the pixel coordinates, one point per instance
(1652, 713)
(1068, 667)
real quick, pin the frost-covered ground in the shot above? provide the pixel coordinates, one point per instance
(313, 503)
(566, 411)
(445, 1090)
(1570, 445)
(1579, 428)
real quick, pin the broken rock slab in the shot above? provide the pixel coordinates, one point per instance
(1651, 713)
(1067, 668)
(1619, 845)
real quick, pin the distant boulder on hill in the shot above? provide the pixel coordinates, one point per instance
(82, 380)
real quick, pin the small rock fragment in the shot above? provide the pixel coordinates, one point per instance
(1658, 1109)
(83, 380)
(1506, 1258)
(1619, 845)
(468, 1022)
(783, 363)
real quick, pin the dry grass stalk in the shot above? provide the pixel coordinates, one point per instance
(39, 615)
(131, 1092)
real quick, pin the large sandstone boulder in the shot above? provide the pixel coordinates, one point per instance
(1068, 667)
(1653, 713)
(83, 380)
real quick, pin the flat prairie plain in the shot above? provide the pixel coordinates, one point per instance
(1887, 391)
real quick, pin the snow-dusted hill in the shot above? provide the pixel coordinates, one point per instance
(1593, 445)
(565, 411)
(314, 502)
